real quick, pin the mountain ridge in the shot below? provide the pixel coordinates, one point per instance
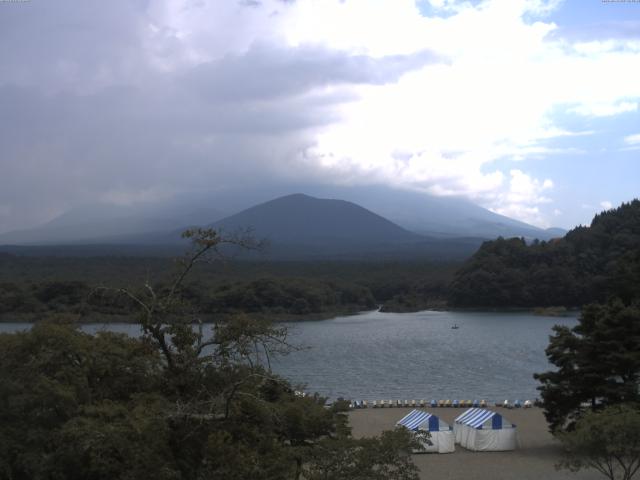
(302, 218)
(434, 218)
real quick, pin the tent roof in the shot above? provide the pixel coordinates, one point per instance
(415, 419)
(475, 417)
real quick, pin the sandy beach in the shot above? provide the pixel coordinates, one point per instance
(535, 458)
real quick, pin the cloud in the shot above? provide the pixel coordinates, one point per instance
(132, 101)
(600, 31)
(494, 100)
(152, 195)
(606, 204)
(632, 139)
(67, 45)
(187, 117)
(604, 109)
(523, 199)
(120, 145)
(272, 71)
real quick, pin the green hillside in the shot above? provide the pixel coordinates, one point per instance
(589, 264)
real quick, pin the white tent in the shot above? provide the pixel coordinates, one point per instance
(484, 430)
(441, 438)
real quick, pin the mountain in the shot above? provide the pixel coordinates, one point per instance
(301, 219)
(299, 226)
(444, 217)
(296, 227)
(415, 212)
(555, 232)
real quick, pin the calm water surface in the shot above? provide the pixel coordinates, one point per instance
(377, 355)
(418, 355)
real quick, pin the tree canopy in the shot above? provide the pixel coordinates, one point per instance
(607, 441)
(598, 363)
(590, 264)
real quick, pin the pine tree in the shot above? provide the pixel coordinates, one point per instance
(598, 363)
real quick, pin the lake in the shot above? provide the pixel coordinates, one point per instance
(376, 355)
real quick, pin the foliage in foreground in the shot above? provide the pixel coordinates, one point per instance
(365, 459)
(607, 441)
(598, 363)
(106, 406)
(174, 404)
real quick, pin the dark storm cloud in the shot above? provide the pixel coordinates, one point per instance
(69, 43)
(87, 112)
(266, 72)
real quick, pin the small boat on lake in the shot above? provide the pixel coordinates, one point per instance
(455, 326)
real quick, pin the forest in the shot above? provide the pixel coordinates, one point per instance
(33, 287)
(590, 264)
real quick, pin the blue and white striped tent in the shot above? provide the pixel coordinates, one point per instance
(441, 439)
(476, 418)
(485, 430)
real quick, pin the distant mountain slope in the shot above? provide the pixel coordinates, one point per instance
(589, 264)
(434, 216)
(297, 227)
(303, 227)
(442, 217)
(301, 219)
(103, 224)
(555, 232)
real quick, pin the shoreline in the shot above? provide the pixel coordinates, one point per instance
(206, 319)
(291, 318)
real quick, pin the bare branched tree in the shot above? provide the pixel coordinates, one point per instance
(237, 351)
(164, 316)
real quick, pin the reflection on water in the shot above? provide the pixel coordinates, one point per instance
(377, 355)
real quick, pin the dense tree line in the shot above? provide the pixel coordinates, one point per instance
(590, 264)
(30, 288)
(298, 296)
(267, 296)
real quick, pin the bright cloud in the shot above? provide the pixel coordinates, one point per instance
(606, 204)
(604, 109)
(523, 198)
(632, 139)
(494, 98)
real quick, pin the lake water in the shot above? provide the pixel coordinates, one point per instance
(376, 355)
(418, 355)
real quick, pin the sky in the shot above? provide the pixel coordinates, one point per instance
(530, 108)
